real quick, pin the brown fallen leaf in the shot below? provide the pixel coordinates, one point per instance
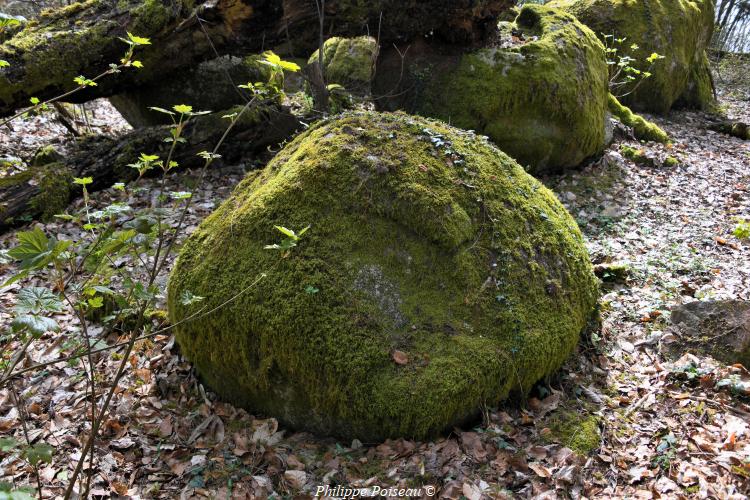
(119, 488)
(296, 479)
(540, 470)
(399, 357)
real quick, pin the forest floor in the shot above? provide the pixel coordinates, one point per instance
(621, 419)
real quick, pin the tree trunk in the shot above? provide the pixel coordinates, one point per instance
(45, 190)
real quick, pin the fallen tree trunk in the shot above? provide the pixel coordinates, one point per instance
(45, 189)
(83, 39)
(736, 129)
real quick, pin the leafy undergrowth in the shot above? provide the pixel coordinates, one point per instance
(618, 421)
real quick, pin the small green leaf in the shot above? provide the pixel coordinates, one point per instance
(289, 66)
(161, 110)
(180, 195)
(96, 302)
(83, 181)
(8, 444)
(187, 298)
(4, 63)
(286, 231)
(273, 59)
(208, 156)
(84, 82)
(148, 158)
(183, 109)
(138, 40)
(41, 452)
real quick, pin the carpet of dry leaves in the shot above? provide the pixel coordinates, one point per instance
(663, 432)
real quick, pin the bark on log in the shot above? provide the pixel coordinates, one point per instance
(44, 190)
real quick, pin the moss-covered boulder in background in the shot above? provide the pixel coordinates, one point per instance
(540, 92)
(436, 277)
(349, 62)
(680, 30)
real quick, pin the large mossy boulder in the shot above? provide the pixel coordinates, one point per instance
(539, 91)
(436, 277)
(679, 30)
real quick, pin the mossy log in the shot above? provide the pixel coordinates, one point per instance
(736, 129)
(83, 39)
(45, 189)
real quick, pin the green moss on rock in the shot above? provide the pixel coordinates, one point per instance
(349, 62)
(542, 102)
(642, 128)
(424, 239)
(680, 30)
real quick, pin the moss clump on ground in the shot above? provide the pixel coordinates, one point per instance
(634, 154)
(578, 432)
(642, 128)
(349, 62)
(542, 102)
(671, 161)
(424, 239)
(680, 30)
